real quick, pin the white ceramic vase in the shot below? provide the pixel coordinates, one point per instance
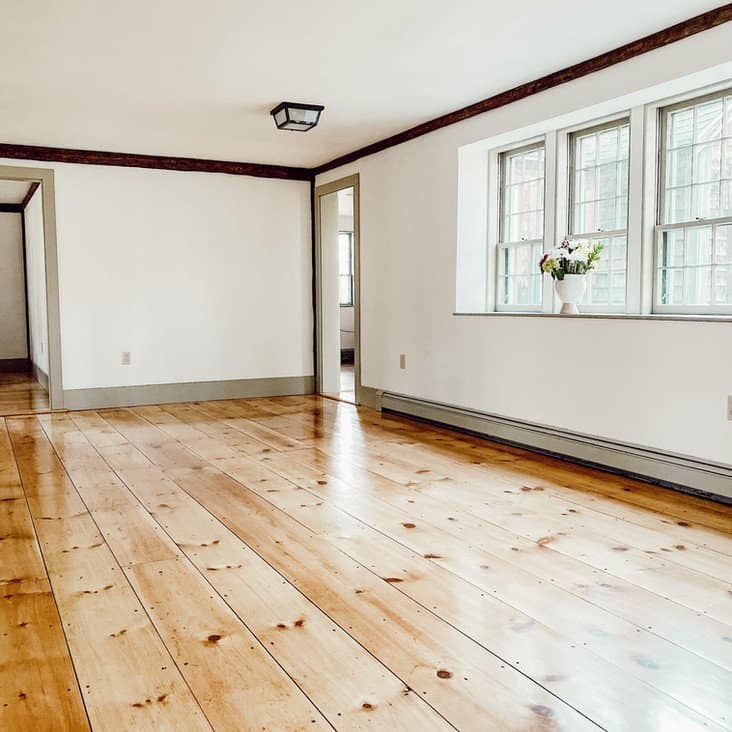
(570, 291)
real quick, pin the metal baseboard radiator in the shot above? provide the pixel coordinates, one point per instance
(681, 472)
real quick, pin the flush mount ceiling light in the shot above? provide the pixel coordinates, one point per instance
(295, 116)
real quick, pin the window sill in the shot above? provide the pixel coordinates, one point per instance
(606, 316)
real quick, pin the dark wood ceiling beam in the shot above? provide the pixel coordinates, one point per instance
(677, 32)
(158, 162)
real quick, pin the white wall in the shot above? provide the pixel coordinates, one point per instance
(658, 384)
(13, 342)
(201, 276)
(36, 268)
(330, 361)
(348, 338)
(345, 223)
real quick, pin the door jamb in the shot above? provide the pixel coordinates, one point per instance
(45, 177)
(351, 181)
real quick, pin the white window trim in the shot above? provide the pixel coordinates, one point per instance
(643, 212)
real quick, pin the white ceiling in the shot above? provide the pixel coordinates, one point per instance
(13, 191)
(199, 78)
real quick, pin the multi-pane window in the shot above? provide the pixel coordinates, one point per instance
(599, 206)
(694, 235)
(345, 267)
(521, 231)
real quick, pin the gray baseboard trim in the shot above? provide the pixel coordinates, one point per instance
(369, 397)
(195, 391)
(681, 472)
(11, 365)
(40, 375)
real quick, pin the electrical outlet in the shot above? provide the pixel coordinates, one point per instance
(729, 407)
(126, 358)
(402, 360)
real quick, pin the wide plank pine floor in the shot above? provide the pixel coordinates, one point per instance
(20, 393)
(297, 563)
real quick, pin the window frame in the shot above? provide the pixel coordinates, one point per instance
(501, 245)
(572, 136)
(350, 274)
(660, 227)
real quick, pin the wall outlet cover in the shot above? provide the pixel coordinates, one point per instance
(729, 407)
(126, 358)
(402, 360)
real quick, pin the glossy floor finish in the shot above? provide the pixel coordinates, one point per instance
(296, 563)
(20, 393)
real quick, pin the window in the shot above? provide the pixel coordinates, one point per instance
(694, 232)
(521, 230)
(599, 206)
(345, 268)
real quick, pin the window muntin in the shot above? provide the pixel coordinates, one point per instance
(599, 206)
(345, 268)
(521, 230)
(694, 235)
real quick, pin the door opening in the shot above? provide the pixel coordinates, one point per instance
(30, 364)
(338, 372)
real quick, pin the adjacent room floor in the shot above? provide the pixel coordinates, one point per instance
(20, 393)
(297, 563)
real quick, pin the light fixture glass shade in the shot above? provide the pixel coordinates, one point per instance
(295, 116)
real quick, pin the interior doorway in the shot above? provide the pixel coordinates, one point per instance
(30, 379)
(338, 351)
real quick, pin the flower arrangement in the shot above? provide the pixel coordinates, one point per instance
(570, 257)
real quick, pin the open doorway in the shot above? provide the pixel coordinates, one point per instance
(338, 290)
(29, 383)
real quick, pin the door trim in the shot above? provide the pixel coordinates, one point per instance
(351, 181)
(45, 177)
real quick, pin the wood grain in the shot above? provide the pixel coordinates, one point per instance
(157, 162)
(277, 561)
(38, 688)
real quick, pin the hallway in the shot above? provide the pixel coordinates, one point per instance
(20, 393)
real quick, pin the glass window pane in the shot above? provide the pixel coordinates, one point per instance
(678, 205)
(708, 123)
(705, 201)
(698, 153)
(681, 128)
(707, 160)
(587, 151)
(723, 244)
(698, 246)
(678, 167)
(345, 284)
(723, 285)
(695, 266)
(344, 253)
(607, 146)
(600, 180)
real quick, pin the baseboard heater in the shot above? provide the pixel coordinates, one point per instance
(680, 472)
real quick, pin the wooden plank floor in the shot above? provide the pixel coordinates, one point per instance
(296, 563)
(20, 393)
